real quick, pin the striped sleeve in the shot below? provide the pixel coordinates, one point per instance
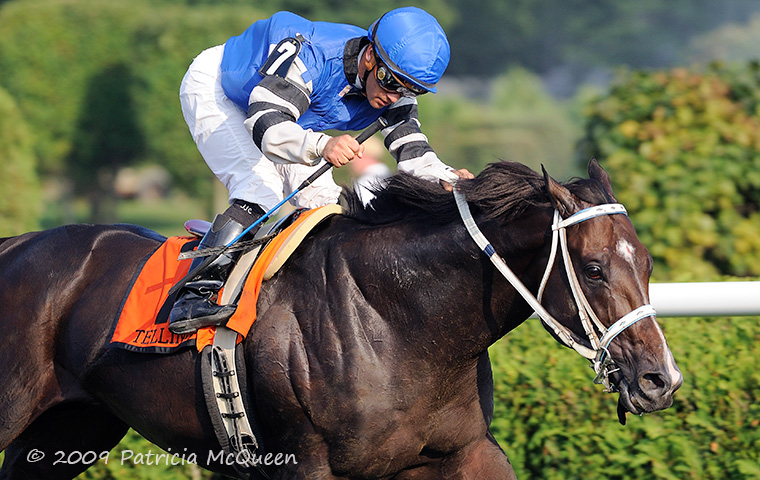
(273, 108)
(409, 146)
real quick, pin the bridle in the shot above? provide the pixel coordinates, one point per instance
(598, 354)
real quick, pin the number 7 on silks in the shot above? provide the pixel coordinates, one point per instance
(281, 57)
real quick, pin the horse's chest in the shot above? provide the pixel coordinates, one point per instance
(384, 439)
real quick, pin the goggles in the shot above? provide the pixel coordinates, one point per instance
(388, 81)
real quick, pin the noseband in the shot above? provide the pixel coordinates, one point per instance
(602, 363)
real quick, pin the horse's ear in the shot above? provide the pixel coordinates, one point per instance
(561, 198)
(596, 172)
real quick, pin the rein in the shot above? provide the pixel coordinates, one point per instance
(598, 354)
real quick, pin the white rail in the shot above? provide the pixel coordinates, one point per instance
(705, 299)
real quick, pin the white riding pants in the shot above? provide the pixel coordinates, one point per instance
(216, 125)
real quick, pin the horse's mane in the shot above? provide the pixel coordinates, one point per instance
(503, 191)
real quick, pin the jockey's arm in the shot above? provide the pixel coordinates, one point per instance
(409, 146)
(273, 108)
(276, 103)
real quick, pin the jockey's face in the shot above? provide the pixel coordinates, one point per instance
(377, 96)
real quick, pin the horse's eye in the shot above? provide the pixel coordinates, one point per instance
(594, 272)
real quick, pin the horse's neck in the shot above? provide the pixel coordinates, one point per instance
(455, 298)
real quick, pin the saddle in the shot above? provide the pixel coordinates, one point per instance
(222, 361)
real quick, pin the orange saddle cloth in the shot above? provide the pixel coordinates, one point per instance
(143, 319)
(142, 323)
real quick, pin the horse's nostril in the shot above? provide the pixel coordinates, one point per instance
(653, 381)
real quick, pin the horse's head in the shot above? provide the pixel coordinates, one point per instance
(606, 288)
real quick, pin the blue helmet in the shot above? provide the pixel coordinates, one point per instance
(413, 45)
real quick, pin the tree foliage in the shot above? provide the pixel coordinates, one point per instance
(683, 150)
(98, 82)
(105, 140)
(357, 12)
(490, 35)
(48, 53)
(20, 200)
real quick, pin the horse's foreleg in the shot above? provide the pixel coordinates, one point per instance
(483, 460)
(28, 384)
(62, 443)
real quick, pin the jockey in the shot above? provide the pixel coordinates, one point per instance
(281, 83)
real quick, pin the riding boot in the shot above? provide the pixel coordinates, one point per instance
(196, 304)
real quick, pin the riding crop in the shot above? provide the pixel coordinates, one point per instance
(214, 253)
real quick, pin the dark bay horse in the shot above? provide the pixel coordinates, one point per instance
(368, 358)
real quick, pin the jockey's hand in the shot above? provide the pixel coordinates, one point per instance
(461, 173)
(341, 150)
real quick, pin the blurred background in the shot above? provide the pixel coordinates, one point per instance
(665, 94)
(92, 130)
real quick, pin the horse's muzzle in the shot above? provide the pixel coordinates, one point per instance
(652, 391)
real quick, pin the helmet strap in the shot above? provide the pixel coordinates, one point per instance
(368, 66)
(364, 81)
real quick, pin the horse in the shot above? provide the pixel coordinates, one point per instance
(369, 355)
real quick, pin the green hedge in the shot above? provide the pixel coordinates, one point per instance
(555, 424)
(57, 57)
